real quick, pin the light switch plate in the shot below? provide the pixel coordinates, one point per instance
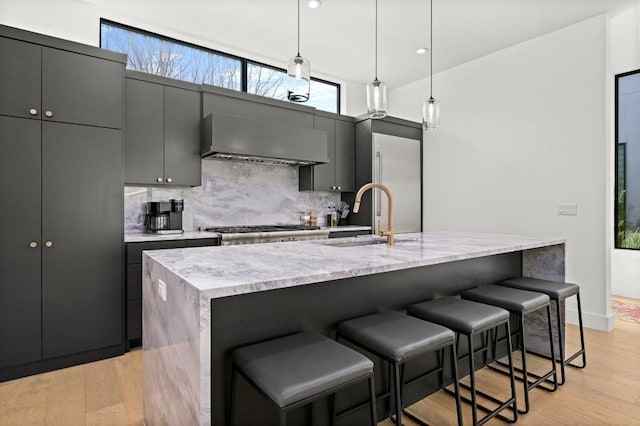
(568, 209)
(162, 290)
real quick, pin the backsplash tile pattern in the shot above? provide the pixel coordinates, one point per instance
(233, 193)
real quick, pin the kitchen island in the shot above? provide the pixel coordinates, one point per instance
(200, 303)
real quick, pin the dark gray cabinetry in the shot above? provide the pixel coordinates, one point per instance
(61, 287)
(339, 173)
(162, 131)
(57, 85)
(134, 279)
(20, 253)
(345, 234)
(82, 208)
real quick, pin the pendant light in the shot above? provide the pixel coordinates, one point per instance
(431, 107)
(299, 74)
(376, 90)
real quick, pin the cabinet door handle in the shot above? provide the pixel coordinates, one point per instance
(33, 111)
(33, 244)
(159, 180)
(169, 180)
(48, 114)
(49, 243)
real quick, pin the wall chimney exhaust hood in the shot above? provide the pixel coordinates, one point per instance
(228, 137)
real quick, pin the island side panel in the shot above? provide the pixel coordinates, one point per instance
(547, 263)
(249, 318)
(171, 347)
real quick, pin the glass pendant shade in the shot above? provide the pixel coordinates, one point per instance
(377, 99)
(299, 79)
(431, 114)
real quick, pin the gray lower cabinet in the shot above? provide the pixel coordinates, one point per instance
(20, 252)
(61, 252)
(339, 173)
(134, 279)
(162, 132)
(57, 85)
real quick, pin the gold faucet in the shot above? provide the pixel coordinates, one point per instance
(356, 206)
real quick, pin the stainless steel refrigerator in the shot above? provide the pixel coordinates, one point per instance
(389, 151)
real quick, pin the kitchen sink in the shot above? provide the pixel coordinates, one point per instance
(361, 241)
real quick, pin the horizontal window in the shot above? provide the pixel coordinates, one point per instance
(166, 57)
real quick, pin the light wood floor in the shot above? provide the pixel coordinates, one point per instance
(109, 392)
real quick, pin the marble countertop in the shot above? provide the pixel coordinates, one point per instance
(231, 270)
(141, 237)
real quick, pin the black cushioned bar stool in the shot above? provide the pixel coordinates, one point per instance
(296, 370)
(558, 292)
(472, 319)
(519, 303)
(398, 338)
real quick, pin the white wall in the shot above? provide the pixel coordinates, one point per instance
(624, 57)
(523, 130)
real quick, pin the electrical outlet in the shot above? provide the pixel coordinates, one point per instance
(568, 209)
(162, 290)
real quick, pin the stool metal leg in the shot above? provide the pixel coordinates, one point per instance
(396, 393)
(561, 342)
(372, 403)
(582, 350)
(232, 395)
(512, 379)
(472, 381)
(456, 385)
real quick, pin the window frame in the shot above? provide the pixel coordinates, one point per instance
(243, 61)
(617, 146)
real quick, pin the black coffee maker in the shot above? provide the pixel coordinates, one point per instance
(164, 217)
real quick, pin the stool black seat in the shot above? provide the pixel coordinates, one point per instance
(398, 338)
(295, 370)
(470, 319)
(519, 303)
(558, 292)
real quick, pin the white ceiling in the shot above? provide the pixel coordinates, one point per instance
(338, 37)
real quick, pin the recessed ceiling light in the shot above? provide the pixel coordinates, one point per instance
(422, 51)
(314, 4)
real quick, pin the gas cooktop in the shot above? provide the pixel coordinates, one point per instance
(260, 228)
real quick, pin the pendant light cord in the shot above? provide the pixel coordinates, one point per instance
(298, 27)
(376, 43)
(431, 53)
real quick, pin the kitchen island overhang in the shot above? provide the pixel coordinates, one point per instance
(219, 298)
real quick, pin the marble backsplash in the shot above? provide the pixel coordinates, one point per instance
(233, 193)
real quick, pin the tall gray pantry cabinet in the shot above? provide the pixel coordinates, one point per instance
(61, 179)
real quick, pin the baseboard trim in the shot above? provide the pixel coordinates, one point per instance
(590, 320)
(43, 366)
(630, 292)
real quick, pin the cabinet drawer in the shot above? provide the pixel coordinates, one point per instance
(134, 281)
(344, 234)
(134, 319)
(134, 250)
(205, 242)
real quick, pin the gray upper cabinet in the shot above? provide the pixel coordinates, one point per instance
(338, 174)
(162, 132)
(57, 85)
(81, 89)
(20, 81)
